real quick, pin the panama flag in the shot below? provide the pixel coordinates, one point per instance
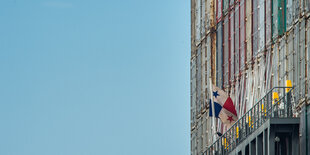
(223, 107)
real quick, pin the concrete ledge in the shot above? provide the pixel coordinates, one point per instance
(284, 120)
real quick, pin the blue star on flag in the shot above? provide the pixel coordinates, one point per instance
(215, 94)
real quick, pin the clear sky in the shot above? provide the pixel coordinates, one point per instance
(94, 77)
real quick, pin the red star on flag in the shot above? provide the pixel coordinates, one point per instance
(230, 118)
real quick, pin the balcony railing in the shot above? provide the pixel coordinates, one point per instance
(277, 103)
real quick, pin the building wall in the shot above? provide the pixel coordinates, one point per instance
(246, 47)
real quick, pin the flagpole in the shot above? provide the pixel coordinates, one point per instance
(213, 111)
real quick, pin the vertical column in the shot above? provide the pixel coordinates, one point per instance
(271, 143)
(248, 32)
(265, 142)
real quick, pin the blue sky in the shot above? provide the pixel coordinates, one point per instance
(94, 77)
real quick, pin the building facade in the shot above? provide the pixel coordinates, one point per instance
(248, 47)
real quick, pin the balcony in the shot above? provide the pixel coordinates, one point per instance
(269, 127)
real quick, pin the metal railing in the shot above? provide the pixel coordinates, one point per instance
(277, 106)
